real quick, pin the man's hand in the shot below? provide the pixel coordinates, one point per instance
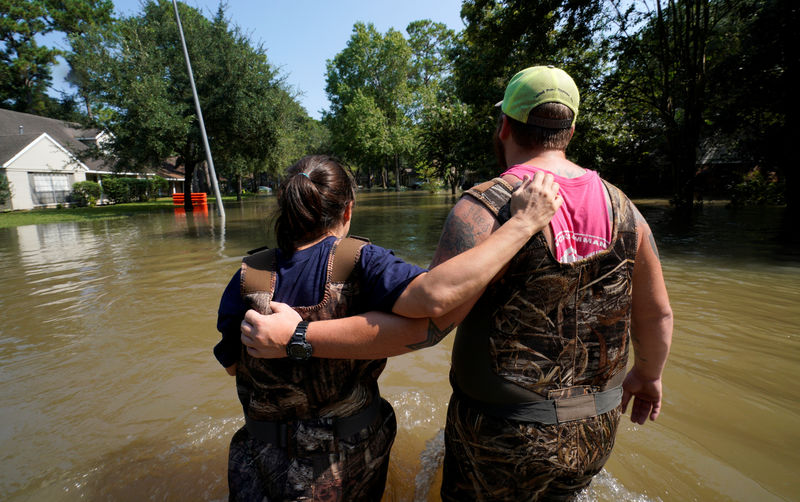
(646, 397)
(535, 200)
(266, 336)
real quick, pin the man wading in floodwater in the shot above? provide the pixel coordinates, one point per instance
(538, 369)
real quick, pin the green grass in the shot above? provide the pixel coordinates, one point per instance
(116, 211)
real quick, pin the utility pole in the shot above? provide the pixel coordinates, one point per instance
(210, 161)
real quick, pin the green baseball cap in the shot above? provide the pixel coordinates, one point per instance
(538, 85)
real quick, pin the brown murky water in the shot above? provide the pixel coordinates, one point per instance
(109, 390)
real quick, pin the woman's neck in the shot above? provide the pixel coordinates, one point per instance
(314, 242)
(338, 231)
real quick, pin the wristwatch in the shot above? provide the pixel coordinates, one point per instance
(298, 348)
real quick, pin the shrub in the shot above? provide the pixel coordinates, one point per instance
(428, 177)
(758, 188)
(158, 186)
(116, 190)
(5, 189)
(138, 189)
(85, 193)
(119, 190)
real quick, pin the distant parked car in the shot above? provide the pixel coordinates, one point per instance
(263, 189)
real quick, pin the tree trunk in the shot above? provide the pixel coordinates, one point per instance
(239, 188)
(207, 177)
(397, 172)
(187, 187)
(88, 107)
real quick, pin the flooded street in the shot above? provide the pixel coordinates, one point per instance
(109, 389)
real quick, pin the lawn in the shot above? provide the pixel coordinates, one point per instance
(115, 211)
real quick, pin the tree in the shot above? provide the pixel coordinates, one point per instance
(368, 81)
(26, 66)
(431, 62)
(445, 125)
(139, 72)
(662, 65)
(504, 37)
(752, 86)
(446, 139)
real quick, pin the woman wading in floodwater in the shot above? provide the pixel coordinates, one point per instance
(318, 428)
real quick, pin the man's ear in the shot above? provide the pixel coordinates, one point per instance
(505, 128)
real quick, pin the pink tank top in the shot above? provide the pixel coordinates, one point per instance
(581, 227)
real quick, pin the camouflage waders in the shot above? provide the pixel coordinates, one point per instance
(316, 429)
(537, 368)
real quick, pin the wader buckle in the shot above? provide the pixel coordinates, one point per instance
(573, 403)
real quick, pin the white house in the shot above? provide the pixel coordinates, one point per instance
(42, 158)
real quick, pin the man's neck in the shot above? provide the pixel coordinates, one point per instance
(554, 161)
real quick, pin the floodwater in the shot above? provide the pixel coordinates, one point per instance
(109, 390)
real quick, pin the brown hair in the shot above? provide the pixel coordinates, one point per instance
(531, 136)
(311, 200)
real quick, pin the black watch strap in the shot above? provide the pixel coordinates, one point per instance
(298, 347)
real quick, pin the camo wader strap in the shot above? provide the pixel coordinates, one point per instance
(562, 405)
(258, 271)
(493, 194)
(277, 433)
(345, 257)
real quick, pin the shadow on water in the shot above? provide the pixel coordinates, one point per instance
(766, 234)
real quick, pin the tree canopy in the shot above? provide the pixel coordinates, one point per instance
(138, 71)
(25, 65)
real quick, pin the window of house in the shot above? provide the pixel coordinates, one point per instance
(48, 188)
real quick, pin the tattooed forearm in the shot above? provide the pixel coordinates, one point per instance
(435, 335)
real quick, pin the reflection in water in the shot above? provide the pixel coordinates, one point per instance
(108, 389)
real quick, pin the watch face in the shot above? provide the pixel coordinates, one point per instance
(298, 351)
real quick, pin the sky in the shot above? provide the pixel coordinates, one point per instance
(301, 35)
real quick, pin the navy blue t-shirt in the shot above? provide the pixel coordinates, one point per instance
(300, 281)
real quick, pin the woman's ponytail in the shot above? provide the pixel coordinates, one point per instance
(311, 200)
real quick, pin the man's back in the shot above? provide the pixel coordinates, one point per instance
(547, 325)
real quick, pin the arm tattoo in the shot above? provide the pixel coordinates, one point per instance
(435, 335)
(636, 350)
(457, 236)
(467, 224)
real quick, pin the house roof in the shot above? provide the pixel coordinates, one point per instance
(170, 171)
(719, 150)
(16, 127)
(11, 145)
